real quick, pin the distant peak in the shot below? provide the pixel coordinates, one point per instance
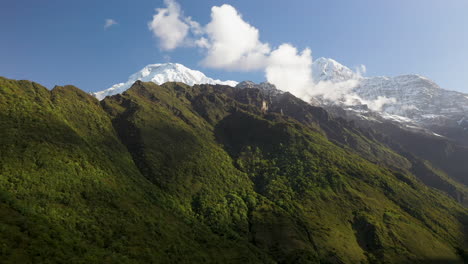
(324, 60)
(326, 69)
(161, 73)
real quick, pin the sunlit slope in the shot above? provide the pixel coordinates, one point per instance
(175, 174)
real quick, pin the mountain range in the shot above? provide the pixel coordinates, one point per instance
(161, 73)
(416, 114)
(413, 101)
(158, 171)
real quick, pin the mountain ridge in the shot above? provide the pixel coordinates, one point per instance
(161, 73)
(413, 101)
(404, 88)
(206, 173)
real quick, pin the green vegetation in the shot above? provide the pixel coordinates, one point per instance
(179, 174)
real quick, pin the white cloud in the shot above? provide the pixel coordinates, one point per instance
(168, 26)
(379, 103)
(233, 43)
(109, 23)
(337, 91)
(202, 43)
(361, 70)
(343, 92)
(194, 26)
(173, 29)
(291, 71)
(229, 42)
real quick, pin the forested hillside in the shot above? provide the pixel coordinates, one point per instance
(210, 174)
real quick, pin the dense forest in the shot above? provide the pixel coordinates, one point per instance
(213, 174)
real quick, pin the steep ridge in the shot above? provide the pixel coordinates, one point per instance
(412, 100)
(437, 161)
(208, 174)
(70, 191)
(423, 122)
(281, 157)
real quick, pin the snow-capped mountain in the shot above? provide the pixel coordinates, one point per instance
(325, 69)
(410, 99)
(161, 73)
(415, 98)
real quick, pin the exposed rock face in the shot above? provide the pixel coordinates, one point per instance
(265, 87)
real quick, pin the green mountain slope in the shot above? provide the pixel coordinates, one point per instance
(437, 161)
(207, 174)
(71, 192)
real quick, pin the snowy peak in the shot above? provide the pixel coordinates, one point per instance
(407, 99)
(416, 97)
(325, 69)
(161, 73)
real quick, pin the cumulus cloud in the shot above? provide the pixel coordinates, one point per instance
(195, 27)
(232, 43)
(174, 30)
(109, 23)
(291, 71)
(167, 25)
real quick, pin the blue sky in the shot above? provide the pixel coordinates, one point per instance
(64, 42)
